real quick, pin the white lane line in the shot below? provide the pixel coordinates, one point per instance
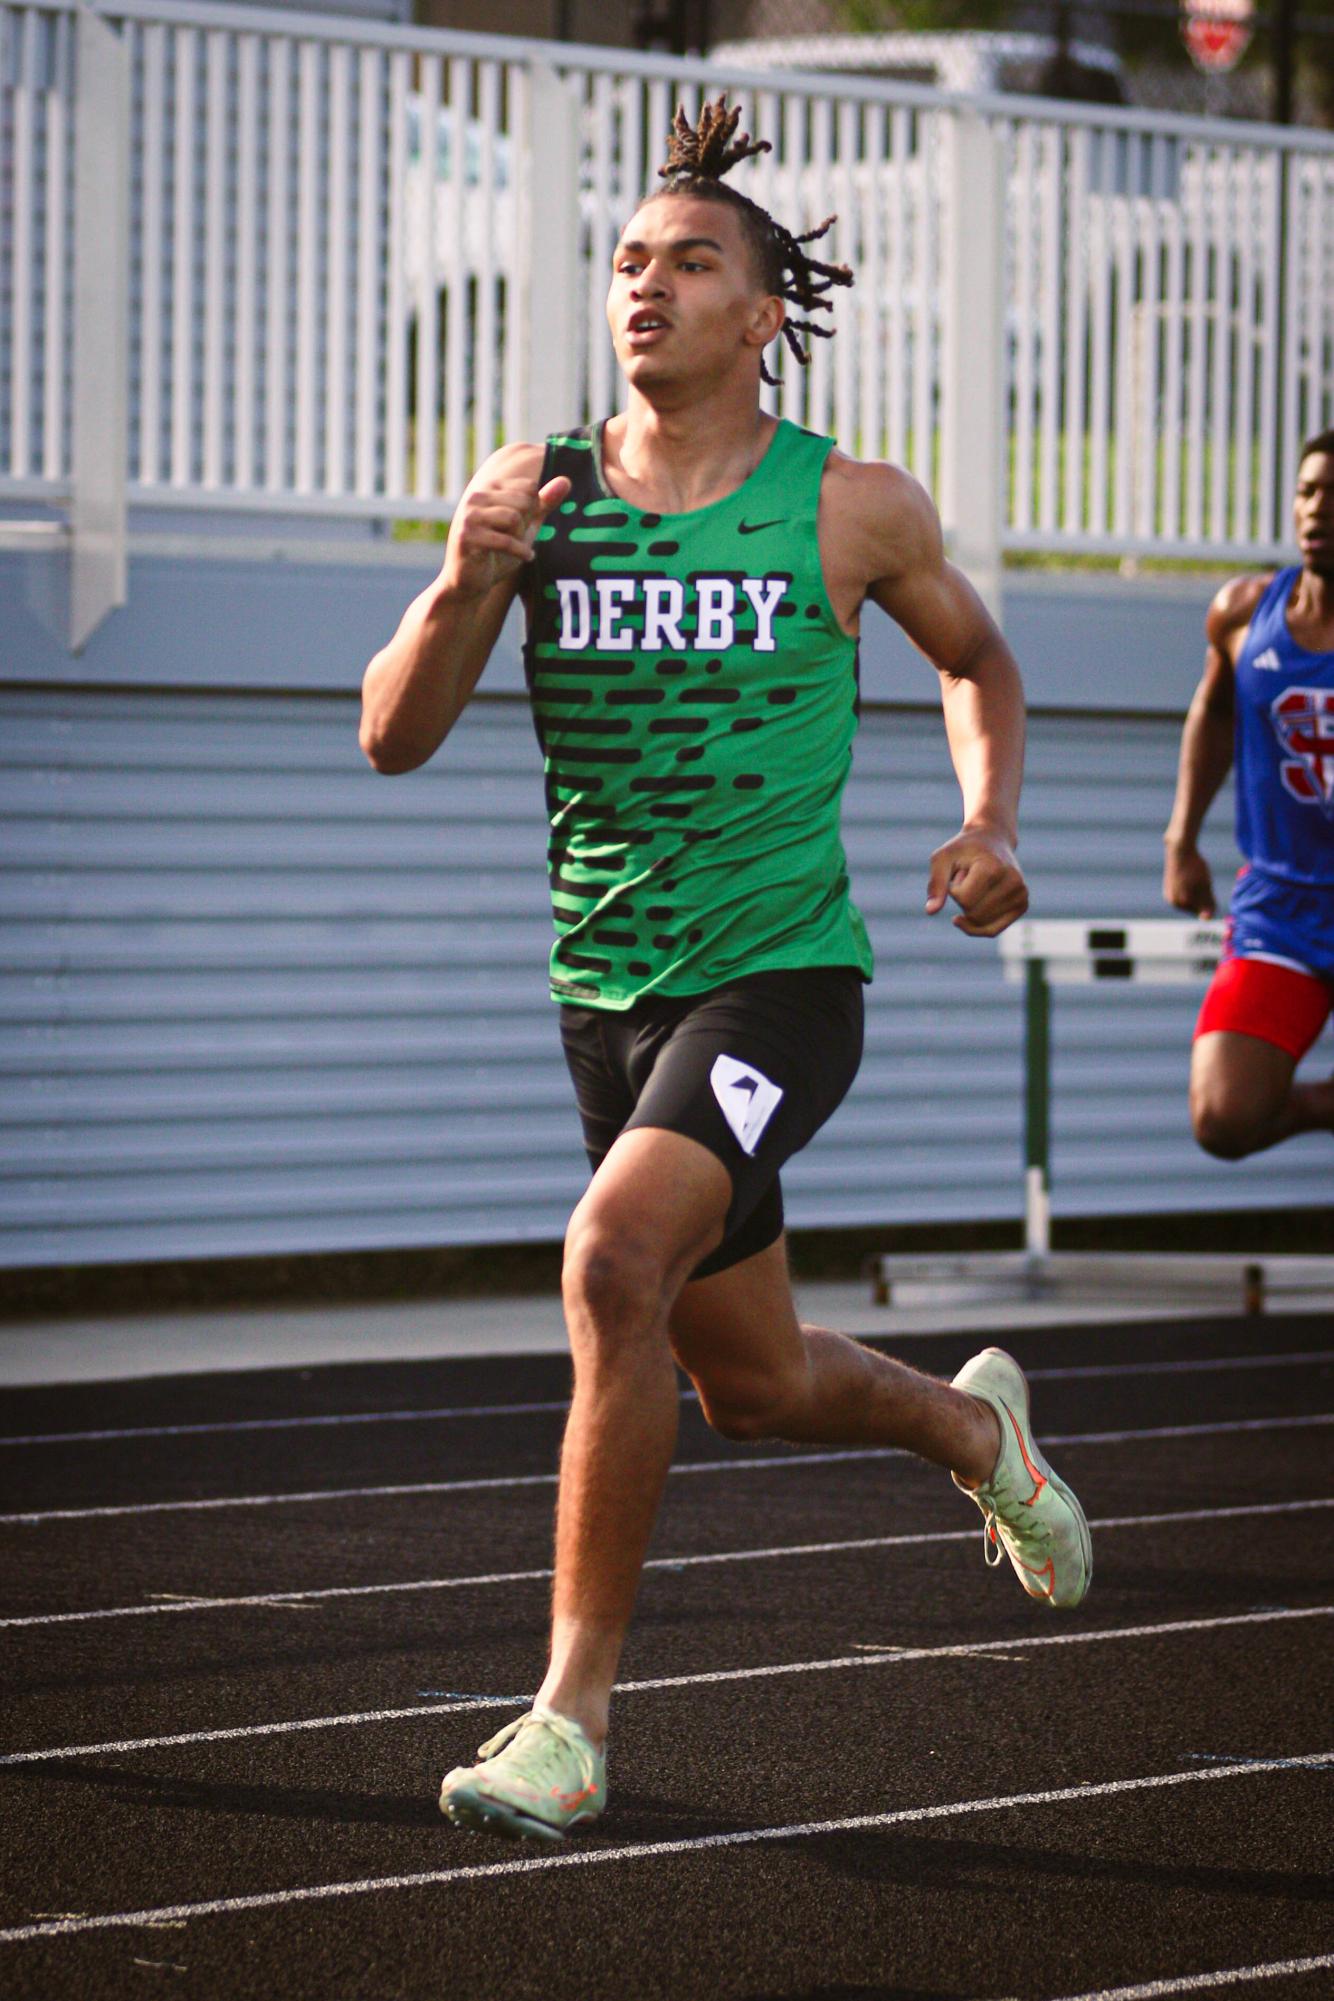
(1200, 1365)
(887, 1656)
(590, 1858)
(474, 1486)
(1206, 1983)
(1299, 1358)
(892, 1658)
(793, 1457)
(461, 1705)
(545, 1406)
(199, 1602)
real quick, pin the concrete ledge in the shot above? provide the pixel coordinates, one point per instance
(279, 617)
(118, 1348)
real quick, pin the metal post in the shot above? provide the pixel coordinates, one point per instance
(1283, 32)
(1282, 57)
(101, 326)
(1037, 1112)
(973, 459)
(549, 264)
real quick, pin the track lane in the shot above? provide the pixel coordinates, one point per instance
(58, 1567)
(1319, 1358)
(212, 1466)
(913, 1908)
(370, 1812)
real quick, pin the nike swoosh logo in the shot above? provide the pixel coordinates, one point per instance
(1040, 1478)
(754, 527)
(1046, 1579)
(571, 1800)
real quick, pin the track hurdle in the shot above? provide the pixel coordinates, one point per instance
(1041, 955)
(1078, 952)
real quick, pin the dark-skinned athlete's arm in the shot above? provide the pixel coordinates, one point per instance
(416, 687)
(982, 696)
(1206, 749)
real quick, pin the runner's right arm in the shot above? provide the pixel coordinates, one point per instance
(416, 687)
(1207, 747)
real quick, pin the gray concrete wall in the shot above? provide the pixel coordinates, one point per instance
(254, 1002)
(241, 616)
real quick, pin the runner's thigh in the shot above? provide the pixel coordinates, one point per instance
(753, 1070)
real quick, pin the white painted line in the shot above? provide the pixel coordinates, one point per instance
(294, 1600)
(481, 1485)
(1206, 1983)
(591, 1858)
(1183, 1430)
(277, 1600)
(1200, 1365)
(1204, 1364)
(793, 1457)
(295, 1423)
(461, 1705)
(1075, 1638)
(887, 1656)
(161, 1602)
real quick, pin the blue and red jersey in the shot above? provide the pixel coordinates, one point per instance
(1285, 747)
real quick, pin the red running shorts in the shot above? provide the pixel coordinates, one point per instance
(1275, 1004)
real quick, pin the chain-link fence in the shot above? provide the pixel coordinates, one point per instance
(1109, 51)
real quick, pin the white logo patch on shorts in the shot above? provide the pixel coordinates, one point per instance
(748, 1098)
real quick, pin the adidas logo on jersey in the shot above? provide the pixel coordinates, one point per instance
(1268, 660)
(618, 614)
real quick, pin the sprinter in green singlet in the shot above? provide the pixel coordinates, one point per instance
(693, 574)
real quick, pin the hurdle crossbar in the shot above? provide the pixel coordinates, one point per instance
(1077, 952)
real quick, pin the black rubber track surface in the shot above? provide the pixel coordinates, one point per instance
(871, 1771)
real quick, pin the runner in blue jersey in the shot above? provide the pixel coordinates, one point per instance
(1266, 701)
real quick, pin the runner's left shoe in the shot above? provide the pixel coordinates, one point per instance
(536, 1777)
(1025, 1507)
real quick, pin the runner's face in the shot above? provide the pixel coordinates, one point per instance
(1313, 512)
(685, 303)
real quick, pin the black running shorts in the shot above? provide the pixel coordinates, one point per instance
(751, 1071)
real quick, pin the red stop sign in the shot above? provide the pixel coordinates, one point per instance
(1217, 33)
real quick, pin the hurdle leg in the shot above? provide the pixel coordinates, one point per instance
(1037, 1115)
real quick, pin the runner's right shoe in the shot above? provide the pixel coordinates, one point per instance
(1025, 1509)
(535, 1778)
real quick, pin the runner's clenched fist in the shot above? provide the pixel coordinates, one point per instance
(495, 527)
(979, 871)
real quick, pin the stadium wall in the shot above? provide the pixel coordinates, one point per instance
(258, 1001)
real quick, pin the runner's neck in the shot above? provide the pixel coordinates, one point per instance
(1311, 611)
(675, 461)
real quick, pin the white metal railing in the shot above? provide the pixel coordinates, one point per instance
(357, 256)
(1168, 352)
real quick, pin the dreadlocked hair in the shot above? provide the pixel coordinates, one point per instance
(697, 158)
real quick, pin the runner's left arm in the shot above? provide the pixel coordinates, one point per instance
(982, 697)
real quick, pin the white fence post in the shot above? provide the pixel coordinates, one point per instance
(101, 326)
(549, 264)
(973, 470)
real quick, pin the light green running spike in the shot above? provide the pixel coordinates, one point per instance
(536, 1778)
(1026, 1509)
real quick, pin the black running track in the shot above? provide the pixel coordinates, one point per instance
(846, 1761)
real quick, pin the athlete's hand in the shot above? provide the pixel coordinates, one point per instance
(494, 530)
(980, 872)
(1187, 883)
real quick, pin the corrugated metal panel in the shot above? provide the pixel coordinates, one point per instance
(933, 1128)
(257, 1000)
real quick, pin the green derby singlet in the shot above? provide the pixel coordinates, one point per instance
(695, 699)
